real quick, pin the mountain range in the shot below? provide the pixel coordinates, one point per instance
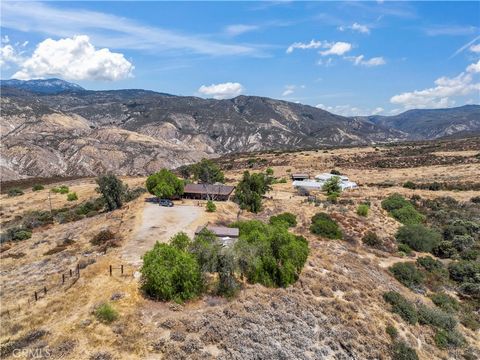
(56, 128)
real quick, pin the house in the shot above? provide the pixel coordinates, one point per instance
(226, 235)
(308, 185)
(299, 177)
(217, 192)
(328, 176)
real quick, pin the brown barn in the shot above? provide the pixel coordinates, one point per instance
(217, 192)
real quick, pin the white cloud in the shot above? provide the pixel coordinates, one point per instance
(364, 29)
(111, 31)
(360, 60)
(338, 48)
(452, 30)
(474, 68)
(313, 44)
(238, 29)
(440, 95)
(222, 91)
(475, 48)
(290, 89)
(348, 110)
(9, 55)
(74, 59)
(325, 62)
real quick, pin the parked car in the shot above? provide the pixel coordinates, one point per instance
(165, 202)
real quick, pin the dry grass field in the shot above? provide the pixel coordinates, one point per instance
(334, 311)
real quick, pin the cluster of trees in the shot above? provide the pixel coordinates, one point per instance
(205, 171)
(250, 190)
(264, 253)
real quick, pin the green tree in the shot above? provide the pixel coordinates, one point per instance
(180, 241)
(164, 184)
(112, 190)
(206, 248)
(332, 186)
(207, 172)
(250, 190)
(170, 274)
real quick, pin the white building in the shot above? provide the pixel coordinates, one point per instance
(320, 180)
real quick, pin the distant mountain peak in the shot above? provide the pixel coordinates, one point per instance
(42, 86)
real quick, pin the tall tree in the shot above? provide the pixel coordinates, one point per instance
(112, 190)
(164, 184)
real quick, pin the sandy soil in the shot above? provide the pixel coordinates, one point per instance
(158, 223)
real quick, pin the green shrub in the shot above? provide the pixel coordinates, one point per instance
(287, 218)
(333, 197)
(401, 351)
(401, 306)
(102, 237)
(106, 313)
(37, 187)
(445, 302)
(471, 289)
(180, 241)
(170, 274)
(463, 242)
(407, 215)
(392, 331)
(409, 185)
(404, 248)
(269, 254)
(445, 250)
(418, 237)
(465, 271)
(429, 263)
(324, 225)
(72, 196)
(62, 189)
(470, 254)
(15, 192)
(395, 202)
(447, 339)
(132, 194)
(15, 234)
(372, 239)
(435, 317)
(335, 172)
(211, 207)
(407, 273)
(269, 171)
(362, 210)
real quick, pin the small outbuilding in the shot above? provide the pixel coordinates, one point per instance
(226, 235)
(218, 192)
(300, 177)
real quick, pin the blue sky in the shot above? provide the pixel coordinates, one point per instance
(352, 58)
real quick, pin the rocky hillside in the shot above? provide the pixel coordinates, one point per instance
(433, 123)
(54, 128)
(136, 131)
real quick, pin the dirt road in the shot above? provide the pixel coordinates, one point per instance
(158, 223)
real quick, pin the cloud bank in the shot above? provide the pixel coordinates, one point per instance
(222, 91)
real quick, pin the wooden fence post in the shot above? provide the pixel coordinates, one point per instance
(71, 273)
(45, 290)
(121, 268)
(110, 270)
(63, 279)
(36, 297)
(78, 270)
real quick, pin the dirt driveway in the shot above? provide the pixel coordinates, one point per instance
(158, 223)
